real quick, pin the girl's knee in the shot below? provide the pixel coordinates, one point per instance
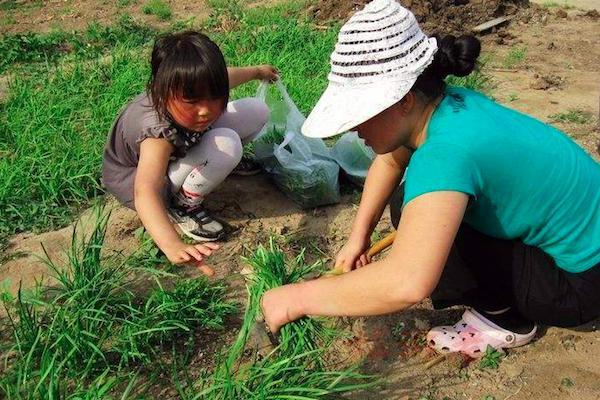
(255, 112)
(226, 144)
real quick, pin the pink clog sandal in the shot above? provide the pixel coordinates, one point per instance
(473, 334)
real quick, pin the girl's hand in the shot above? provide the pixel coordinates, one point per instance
(352, 255)
(267, 73)
(194, 254)
(280, 306)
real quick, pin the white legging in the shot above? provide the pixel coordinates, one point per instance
(219, 151)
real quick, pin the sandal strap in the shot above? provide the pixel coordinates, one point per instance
(492, 330)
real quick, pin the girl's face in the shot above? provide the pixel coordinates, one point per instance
(195, 115)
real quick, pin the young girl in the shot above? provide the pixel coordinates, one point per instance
(176, 142)
(519, 200)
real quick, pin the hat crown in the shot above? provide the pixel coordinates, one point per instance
(381, 41)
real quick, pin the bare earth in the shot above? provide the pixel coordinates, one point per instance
(559, 72)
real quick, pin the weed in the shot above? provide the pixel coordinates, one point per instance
(296, 368)
(567, 382)
(476, 80)
(376, 236)
(124, 3)
(49, 47)
(515, 56)
(513, 97)
(8, 20)
(573, 116)
(223, 12)
(159, 8)
(57, 136)
(554, 4)
(491, 359)
(398, 330)
(92, 325)
(489, 397)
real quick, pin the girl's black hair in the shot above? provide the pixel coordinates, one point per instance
(187, 65)
(455, 56)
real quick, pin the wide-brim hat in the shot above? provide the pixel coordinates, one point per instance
(380, 53)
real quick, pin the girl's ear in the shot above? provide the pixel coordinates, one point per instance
(408, 102)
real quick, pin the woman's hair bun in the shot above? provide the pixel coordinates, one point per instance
(456, 56)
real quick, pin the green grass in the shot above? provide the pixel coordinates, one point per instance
(160, 8)
(554, 4)
(90, 331)
(477, 80)
(567, 382)
(63, 99)
(231, 10)
(573, 116)
(297, 368)
(125, 3)
(515, 57)
(10, 5)
(491, 359)
(96, 40)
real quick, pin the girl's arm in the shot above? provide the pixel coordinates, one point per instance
(241, 75)
(409, 274)
(148, 187)
(383, 177)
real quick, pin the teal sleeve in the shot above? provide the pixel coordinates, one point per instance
(440, 167)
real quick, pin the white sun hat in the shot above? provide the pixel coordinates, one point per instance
(379, 55)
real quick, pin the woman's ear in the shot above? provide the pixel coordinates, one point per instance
(408, 102)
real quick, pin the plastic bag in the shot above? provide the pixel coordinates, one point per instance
(301, 167)
(353, 156)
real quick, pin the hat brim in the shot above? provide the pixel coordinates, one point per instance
(342, 108)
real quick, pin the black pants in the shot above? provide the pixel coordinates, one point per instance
(491, 274)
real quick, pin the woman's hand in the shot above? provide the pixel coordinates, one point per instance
(267, 73)
(195, 254)
(352, 255)
(280, 306)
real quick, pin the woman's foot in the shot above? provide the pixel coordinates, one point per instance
(197, 223)
(475, 332)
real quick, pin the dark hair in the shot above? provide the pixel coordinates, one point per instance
(188, 65)
(455, 56)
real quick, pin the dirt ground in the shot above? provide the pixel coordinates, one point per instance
(558, 72)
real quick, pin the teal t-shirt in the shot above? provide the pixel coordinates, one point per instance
(526, 180)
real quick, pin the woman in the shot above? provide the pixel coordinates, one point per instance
(519, 200)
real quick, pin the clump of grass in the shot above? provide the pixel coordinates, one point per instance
(554, 4)
(573, 116)
(54, 136)
(92, 325)
(49, 47)
(124, 3)
(167, 315)
(477, 80)
(296, 369)
(567, 382)
(160, 8)
(225, 14)
(515, 56)
(491, 359)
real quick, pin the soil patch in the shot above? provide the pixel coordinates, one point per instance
(443, 16)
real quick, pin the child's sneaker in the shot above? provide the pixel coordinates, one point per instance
(197, 224)
(246, 167)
